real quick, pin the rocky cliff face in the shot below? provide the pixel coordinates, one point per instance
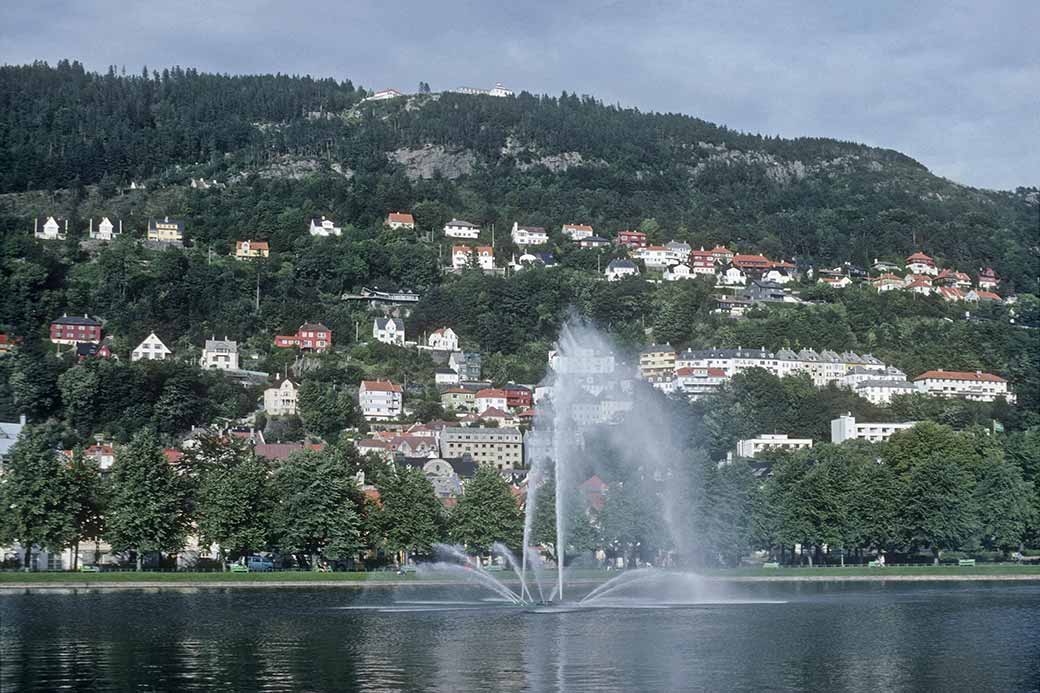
(431, 159)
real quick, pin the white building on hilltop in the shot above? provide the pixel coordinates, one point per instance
(380, 400)
(498, 90)
(151, 349)
(529, 235)
(105, 230)
(220, 354)
(457, 228)
(281, 400)
(325, 227)
(53, 229)
(977, 386)
(443, 339)
(845, 428)
(771, 441)
(388, 331)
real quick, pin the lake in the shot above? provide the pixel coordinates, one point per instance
(790, 636)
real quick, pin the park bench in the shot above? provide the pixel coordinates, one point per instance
(771, 565)
(966, 563)
(873, 564)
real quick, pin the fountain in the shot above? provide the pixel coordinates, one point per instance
(596, 413)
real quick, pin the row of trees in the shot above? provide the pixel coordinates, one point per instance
(308, 508)
(928, 489)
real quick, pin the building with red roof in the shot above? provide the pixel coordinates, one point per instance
(919, 263)
(400, 220)
(380, 400)
(311, 336)
(972, 385)
(631, 239)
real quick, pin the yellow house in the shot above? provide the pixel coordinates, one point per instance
(246, 250)
(168, 230)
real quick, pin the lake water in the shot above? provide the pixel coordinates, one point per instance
(802, 636)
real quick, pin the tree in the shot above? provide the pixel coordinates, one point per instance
(35, 496)
(580, 534)
(940, 510)
(234, 500)
(147, 512)
(1005, 505)
(314, 515)
(411, 519)
(86, 502)
(324, 410)
(728, 515)
(486, 513)
(629, 520)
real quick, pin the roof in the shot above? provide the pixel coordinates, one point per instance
(658, 349)
(152, 223)
(381, 323)
(491, 392)
(401, 217)
(531, 229)
(919, 256)
(751, 258)
(314, 327)
(457, 390)
(709, 372)
(75, 320)
(656, 248)
(593, 239)
(258, 245)
(987, 295)
(631, 233)
(221, 345)
(461, 249)
(621, 264)
(460, 222)
(485, 249)
(495, 413)
(577, 227)
(281, 451)
(380, 386)
(721, 249)
(9, 433)
(975, 377)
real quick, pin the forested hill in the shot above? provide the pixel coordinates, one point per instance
(312, 146)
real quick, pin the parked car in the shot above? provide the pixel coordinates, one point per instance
(260, 564)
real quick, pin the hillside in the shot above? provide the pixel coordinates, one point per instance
(290, 147)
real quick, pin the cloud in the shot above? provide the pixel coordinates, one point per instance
(952, 84)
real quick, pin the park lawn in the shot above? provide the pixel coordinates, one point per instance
(923, 570)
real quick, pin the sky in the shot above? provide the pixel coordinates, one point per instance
(955, 84)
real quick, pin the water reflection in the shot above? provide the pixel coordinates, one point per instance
(809, 637)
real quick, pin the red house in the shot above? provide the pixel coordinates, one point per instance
(75, 330)
(631, 239)
(312, 336)
(746, 262)
(517, 396)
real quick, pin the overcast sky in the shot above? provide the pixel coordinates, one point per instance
(954, 84)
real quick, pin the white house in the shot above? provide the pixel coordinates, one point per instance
(443, 339)
(388, 331)
(834, 282)
(576, 232)
(400, 220)
(380, 400)
(499, 90)
(445, 377)
(977, 386)
(919, 263)
(845, 428)
(619, 269)
(105, 230)
(491, 397)
(53, 229)
(751, 447)
(461, 254)
(879, 391)
(457, 228)
(282, 400)
(529, 235)
(325, 227)
(657, 255)
(678, 272)
(778, 275)
(220, 354)
(151, 349)
(383, 95)
(732, 276)
(988, 279)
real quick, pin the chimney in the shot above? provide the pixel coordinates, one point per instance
(92, 225)
(22, 420)
(36, 226)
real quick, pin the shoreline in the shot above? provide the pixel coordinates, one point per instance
(100, 584)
